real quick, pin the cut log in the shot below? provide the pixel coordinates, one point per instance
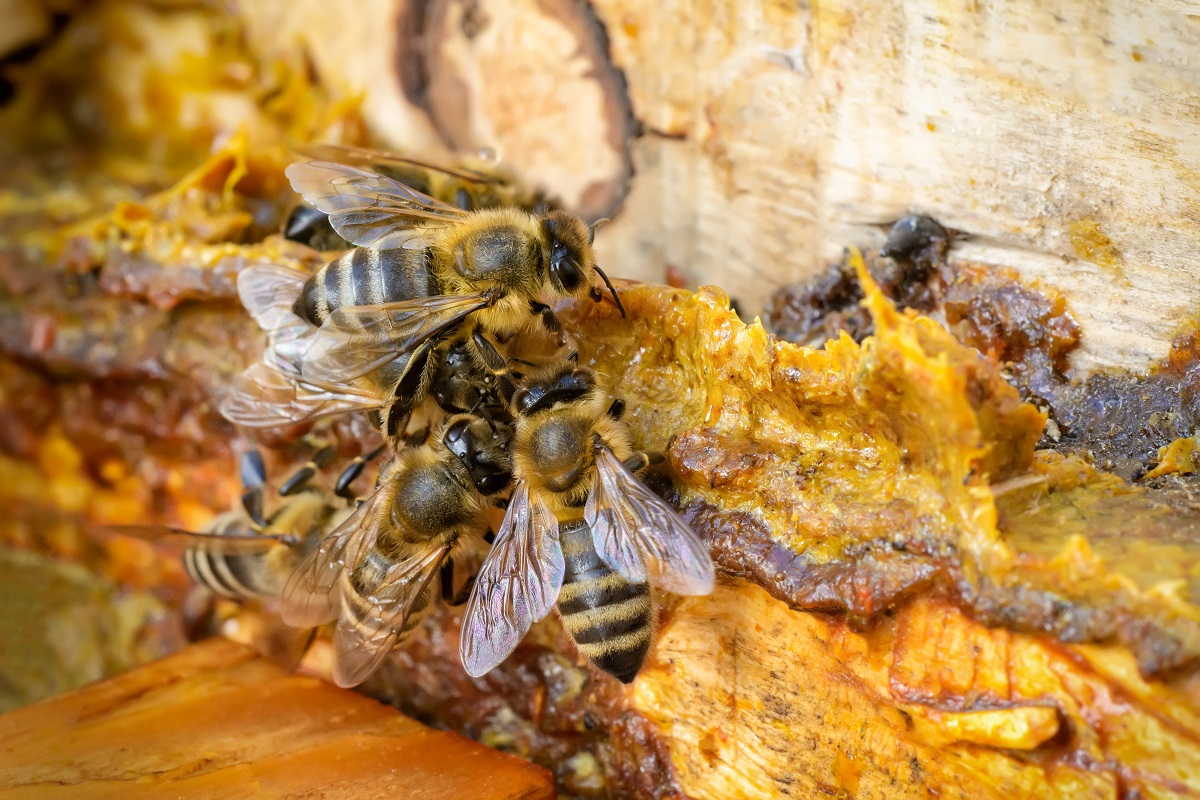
(1061, 142)
(216, 721)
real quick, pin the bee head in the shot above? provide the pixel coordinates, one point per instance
(482, 450)
(571, 260)
(564, 384)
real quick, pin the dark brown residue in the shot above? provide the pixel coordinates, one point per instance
(1116, 418)
(915, 277)
(539, 704)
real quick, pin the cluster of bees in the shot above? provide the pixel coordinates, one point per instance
(437, 321)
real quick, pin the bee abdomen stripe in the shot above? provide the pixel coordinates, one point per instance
(605, 589)
(212, 571)
(606, 622)
(632, 643)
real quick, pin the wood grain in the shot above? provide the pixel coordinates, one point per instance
(759, 701)
(1061, 140)
(216, 721)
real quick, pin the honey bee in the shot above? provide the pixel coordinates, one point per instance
(581, 532)
(473, 184)
(247, 555)
(374, 574)
(422, 268)
(274, 391)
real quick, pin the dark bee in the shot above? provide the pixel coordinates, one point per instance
(374, 574)
(580, 531)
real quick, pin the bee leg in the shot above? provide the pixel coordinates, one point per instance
(490, 536)
(350, 474)
(617, 409)
(448, 580)
(616, 297)
(254, 478)
(639, 461)
(492, 360)
(416, 438)
(495, 363)
(547, 315)
(299, 480)
(463, 594)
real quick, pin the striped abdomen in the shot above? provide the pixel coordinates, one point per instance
(236, 575)
(610, 619)
(365, 276)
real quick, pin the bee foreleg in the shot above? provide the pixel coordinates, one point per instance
(617, 409)
(493, 361)
(547, 315)
(302, 476)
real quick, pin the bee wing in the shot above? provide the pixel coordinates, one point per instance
(372, 159)
(307, 599)
(517, 585)
(361, 643)
(641, 537)
(268, 292)
(225, 542)
(264, 397)
(364, 205)
(356, 340)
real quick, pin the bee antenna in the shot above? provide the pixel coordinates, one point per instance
(616, 298)
(592, 228)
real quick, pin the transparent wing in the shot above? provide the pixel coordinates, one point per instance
(308, 599)
(357, 340)
(363, 205)
(640, 536)
(214, 542)
(363, 639)
(374, 159)
(517, 585)
(268, 292)
(264, 397)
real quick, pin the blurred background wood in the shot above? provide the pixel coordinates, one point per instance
(216, 721)
(1062, 139)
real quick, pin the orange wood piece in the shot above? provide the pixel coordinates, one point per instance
(216, 721)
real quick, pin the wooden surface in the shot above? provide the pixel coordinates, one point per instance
(216, 721)
(1062, 140)
(763, 702)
